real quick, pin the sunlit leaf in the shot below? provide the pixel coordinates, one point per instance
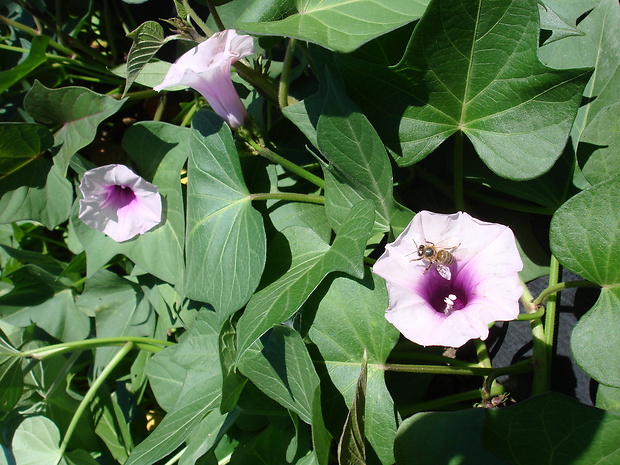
(600, 145)
(280, 366)
(191, 372)
(339, 25)
(147, 40)
(351, 448)
(226, 242)
(348, 318)
(472, 67)
(304, 260)
(597, 47)
(584, 238)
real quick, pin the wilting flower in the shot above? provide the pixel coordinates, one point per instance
(206, 68)
(118, 202)
(433, 308)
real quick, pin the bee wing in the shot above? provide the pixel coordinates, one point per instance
(443, 271)
(449, 243)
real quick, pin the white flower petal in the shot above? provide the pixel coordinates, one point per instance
(484, 286)
(122, 221)
(206, 68)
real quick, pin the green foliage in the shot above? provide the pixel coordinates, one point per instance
(486, 81)
(248, 326)
(339, 25)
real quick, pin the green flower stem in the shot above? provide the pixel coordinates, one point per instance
(215, 15)
(531, 316)
(483, 354)
(92, 391)
(520, 367)
(142, 343)
(260, 82)
(318, 199)
(435, 358)
(443, 402)
(189, 116)
(292, 167)
(285, 75)
(33, 32)
(192, 14)
(550, 319)
(553, 289)
(459, 201)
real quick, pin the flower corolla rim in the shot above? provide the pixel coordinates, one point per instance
(484, 286)
(206, 68)
(118, 202)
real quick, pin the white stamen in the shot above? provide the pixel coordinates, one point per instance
(449, 304)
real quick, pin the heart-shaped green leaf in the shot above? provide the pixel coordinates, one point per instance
(188, 379)
(472, 67)
(584, 238)
(78, 110)
(339, 25)
(350, 319)
(226, 242)
(304, 260)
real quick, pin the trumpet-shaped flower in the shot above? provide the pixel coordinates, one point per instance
(206, 68)
(118, 202)
(432, 307)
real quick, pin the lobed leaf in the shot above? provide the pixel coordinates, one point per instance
(472, 67)
(78, 110)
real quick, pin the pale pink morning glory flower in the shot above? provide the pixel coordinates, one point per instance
(482, 285)
(118, 202)
(206, 68)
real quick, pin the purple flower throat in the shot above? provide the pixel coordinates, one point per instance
(444, 296)
(119, 196)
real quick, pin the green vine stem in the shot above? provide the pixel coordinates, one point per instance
(520, 367)
(142, 343)
(459, 201)
(215, 15)
(285, 75)
(92, 391)
(292, 167)
(443, 402)
(192, 14)
(33, 32)
(553, 289)
(550, 318)
(318, 199)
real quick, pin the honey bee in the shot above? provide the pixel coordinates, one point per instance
(440, 255)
